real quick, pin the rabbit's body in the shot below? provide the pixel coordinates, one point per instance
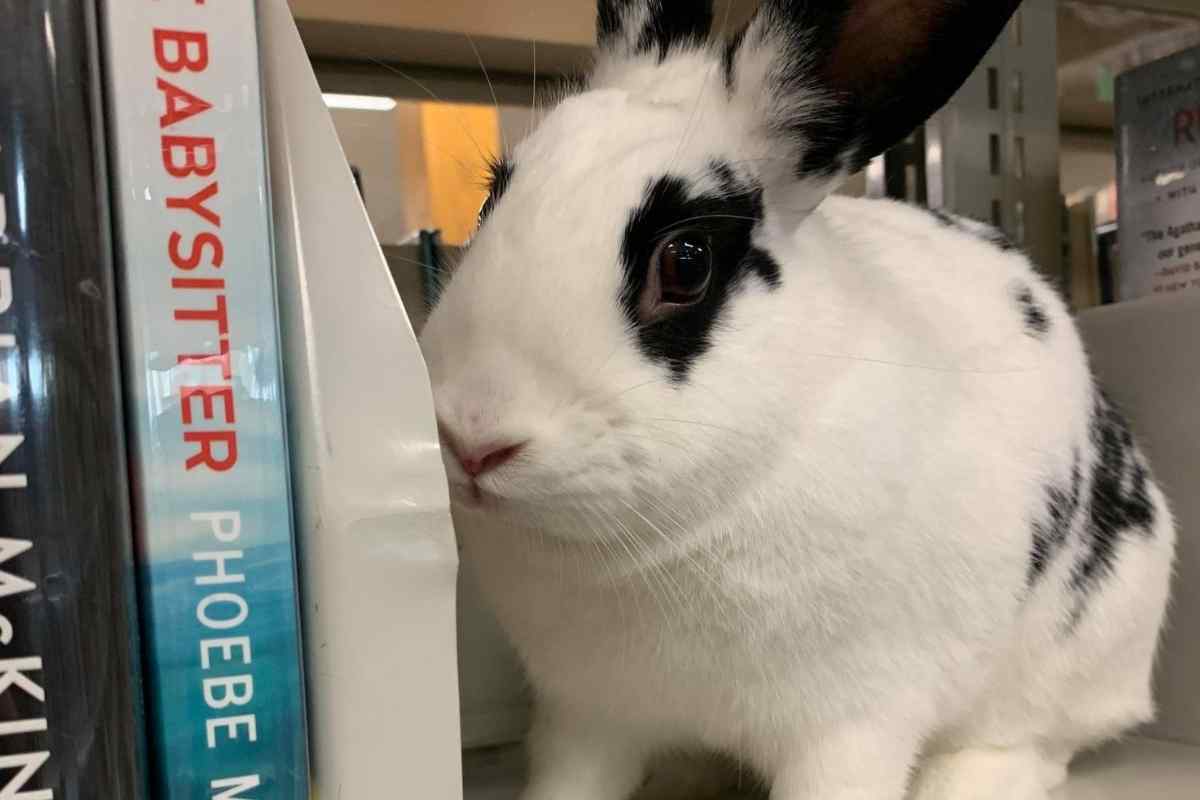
(883, 579)
(823, 484)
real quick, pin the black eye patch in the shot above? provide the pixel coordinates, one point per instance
(726, 217)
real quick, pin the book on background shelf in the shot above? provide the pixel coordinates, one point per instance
(379, 559)
(70, 705)
(1158, 176)
(209, 460)
(1108, 261)
(1084, 282)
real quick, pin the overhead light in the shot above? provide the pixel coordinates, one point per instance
(359, 102)
(1167, 178)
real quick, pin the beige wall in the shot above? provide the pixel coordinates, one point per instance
(501, 33)
(560, 21)
(1189, 7)
(423, 164)
(380, 144)
(567, 22)
(458, 141)
(1087, 162)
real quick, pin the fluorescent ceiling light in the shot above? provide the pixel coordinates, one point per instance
(1167, 178)
(359, 102)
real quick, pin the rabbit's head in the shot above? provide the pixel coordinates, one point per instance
(612, 334)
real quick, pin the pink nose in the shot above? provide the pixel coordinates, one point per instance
(486, 459)
(478, 459)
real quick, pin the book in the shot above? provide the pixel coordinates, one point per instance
(1158, 176)
(379, 557)
(209, 459)
(69, 687)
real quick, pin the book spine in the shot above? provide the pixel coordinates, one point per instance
(212, 509)
(70, 697)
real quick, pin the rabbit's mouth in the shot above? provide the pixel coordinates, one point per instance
(470, 496)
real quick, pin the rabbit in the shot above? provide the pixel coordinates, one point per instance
(823, 485)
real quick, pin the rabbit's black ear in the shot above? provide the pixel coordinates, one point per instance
(634, 27)
(844, 80)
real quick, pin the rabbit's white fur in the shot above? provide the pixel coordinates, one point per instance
(813, 553)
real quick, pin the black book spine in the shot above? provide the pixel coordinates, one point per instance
(70, 696)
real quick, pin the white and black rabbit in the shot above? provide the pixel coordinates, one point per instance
(822, 484)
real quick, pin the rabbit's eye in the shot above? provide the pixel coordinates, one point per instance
(680, 271)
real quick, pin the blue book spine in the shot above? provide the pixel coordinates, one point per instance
(212, 506)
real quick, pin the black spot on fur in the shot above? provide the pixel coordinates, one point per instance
(980, 230)
(1120, 496)
(1119, 503)
(1051, 532)
(500, 176)
(610, 16)
(727, 217)
(668, 24)
(997, 239)
(730, 183)
(946, 219)
(729, 56)
(826, 153)
(1037, 321)
(764, 266)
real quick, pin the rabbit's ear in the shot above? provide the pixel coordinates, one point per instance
(635, 27)
(844, 80)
